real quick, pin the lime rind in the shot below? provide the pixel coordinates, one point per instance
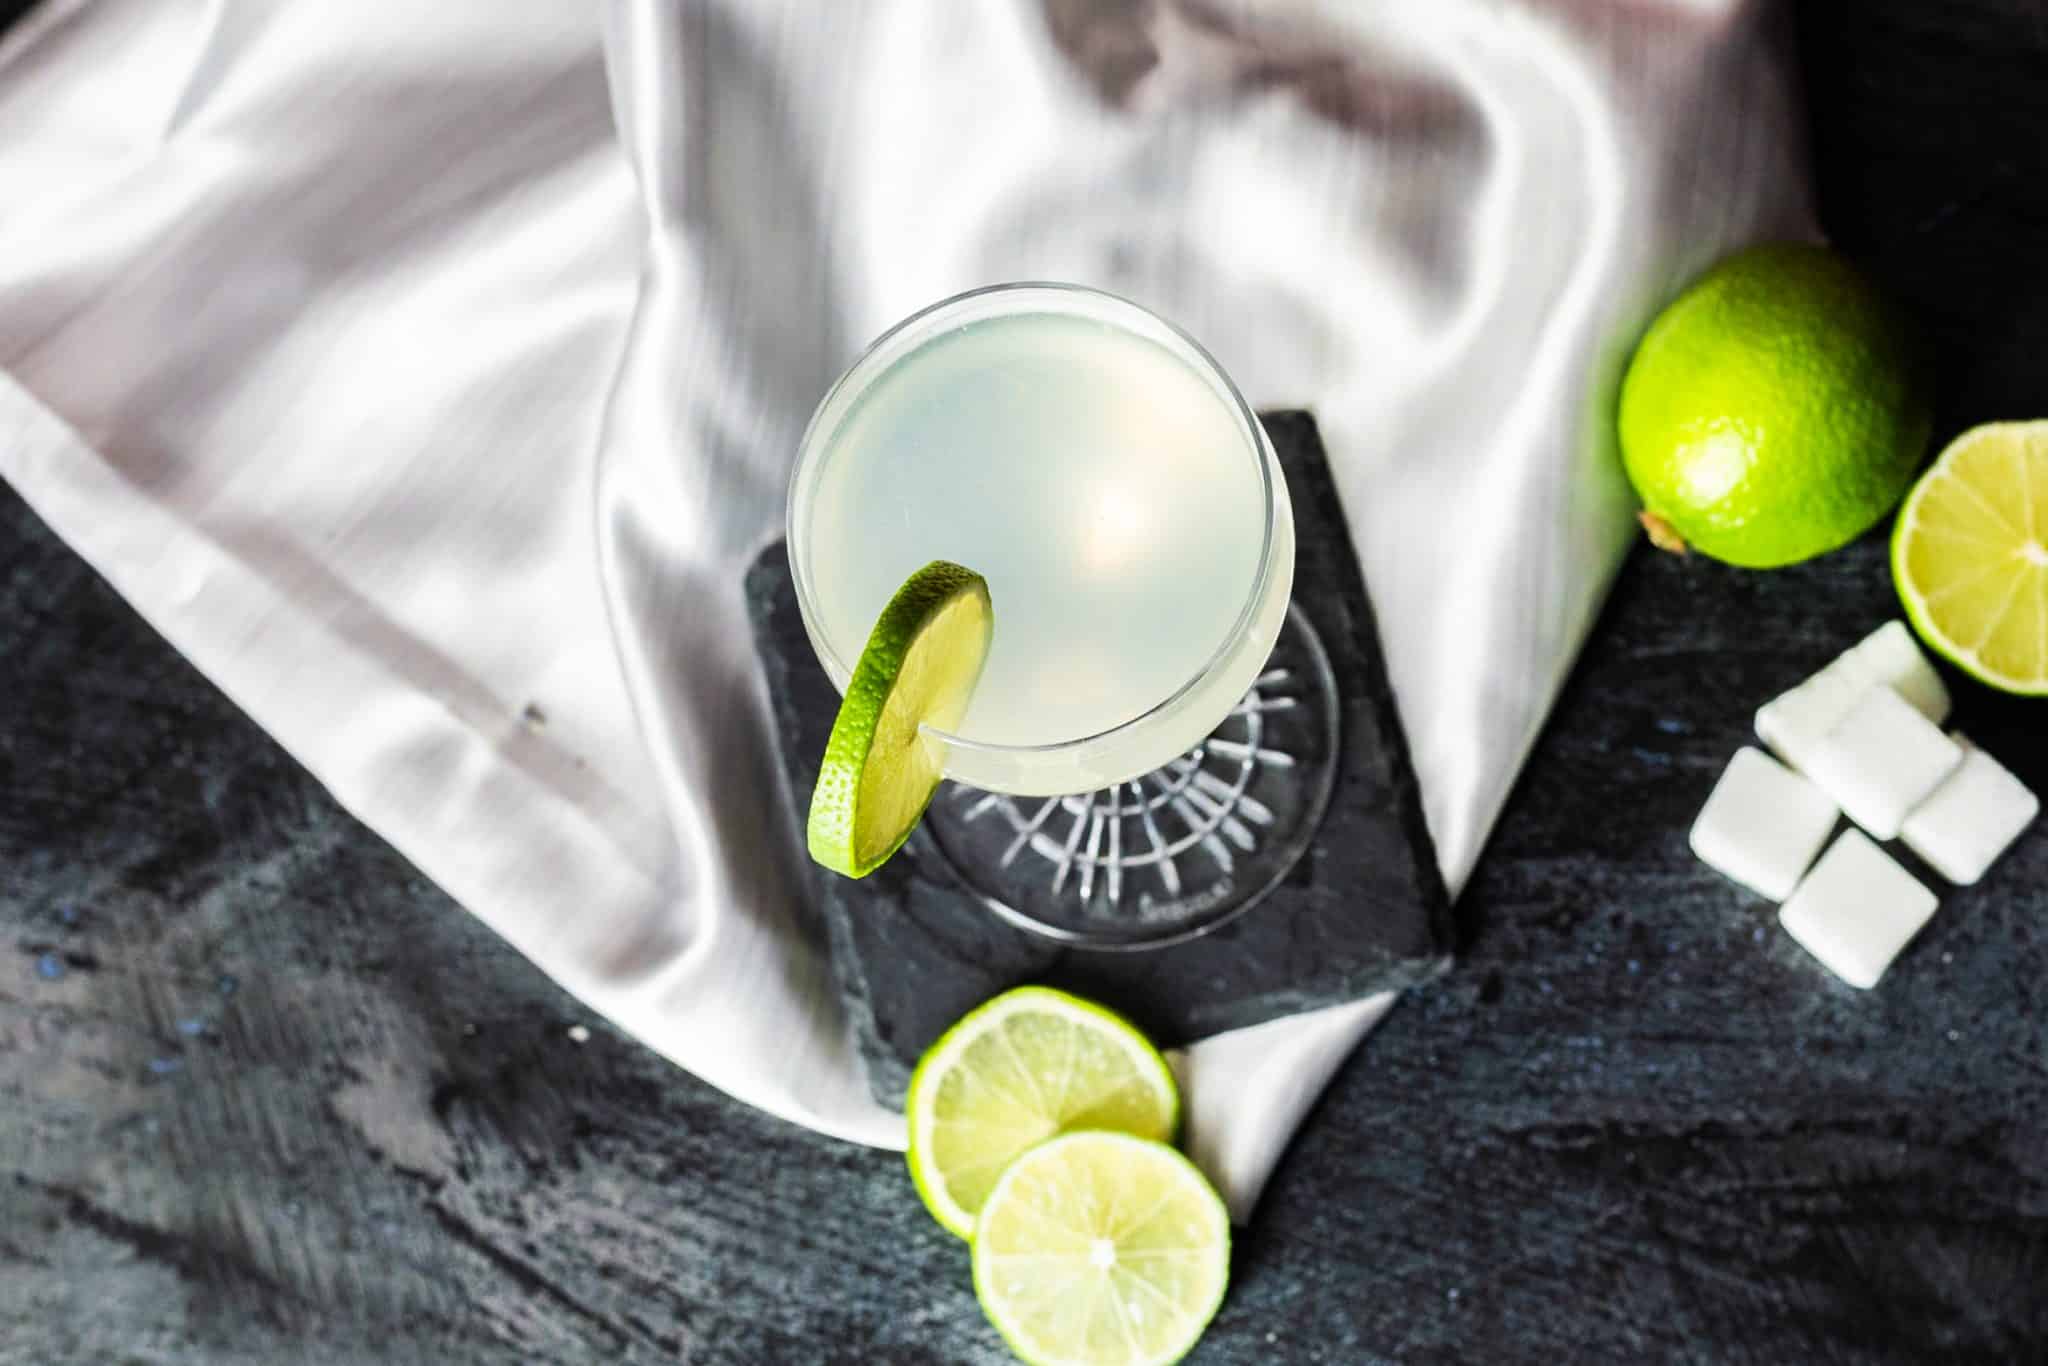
(1913, 596)
(1149, 1071)
(1190, 1194)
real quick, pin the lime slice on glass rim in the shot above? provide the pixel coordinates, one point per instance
(1970, 555)
(919, 669)
(1015, 1071)
(1100, 1249)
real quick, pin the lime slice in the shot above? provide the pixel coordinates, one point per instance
(1099, 1249)
(1012, 1073)
(919, 668)
(1970, 555)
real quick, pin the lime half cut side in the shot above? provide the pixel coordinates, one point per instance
(1012, 1073)
(919, 669)
(1970, 555)
(1099, 1249)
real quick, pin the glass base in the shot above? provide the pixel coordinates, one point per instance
(1174, 853)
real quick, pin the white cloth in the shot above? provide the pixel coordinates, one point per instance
(428, 373)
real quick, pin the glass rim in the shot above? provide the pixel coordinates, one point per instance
(867, 367)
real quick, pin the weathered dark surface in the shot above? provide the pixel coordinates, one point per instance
(1636, 1122)
(1364, 910)
(1623, 1130)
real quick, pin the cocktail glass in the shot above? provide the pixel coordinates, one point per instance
(1153, 740)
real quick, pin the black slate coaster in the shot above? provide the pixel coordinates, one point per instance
(1364, 910)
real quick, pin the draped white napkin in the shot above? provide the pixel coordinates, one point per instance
(428, 374)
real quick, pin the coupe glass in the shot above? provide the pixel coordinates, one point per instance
(1153, 741)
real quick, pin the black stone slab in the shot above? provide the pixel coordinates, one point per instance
(1363, 911)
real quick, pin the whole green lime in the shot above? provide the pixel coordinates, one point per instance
(1774, 411)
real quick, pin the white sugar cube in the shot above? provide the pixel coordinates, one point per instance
(1971, 818)
(1889, 655)
(1882, 759)
(1794, 723)
(1763, 824)
(1856, 910)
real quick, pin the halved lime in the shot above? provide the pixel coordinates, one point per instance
(1099, 1249)
(1970, 555)
(919, 668)
(1029, 1064)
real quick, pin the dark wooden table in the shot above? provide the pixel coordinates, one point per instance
(266, 1095)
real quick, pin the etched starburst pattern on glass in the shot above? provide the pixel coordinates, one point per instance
(1178, 850)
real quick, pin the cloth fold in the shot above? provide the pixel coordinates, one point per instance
(429, 376)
